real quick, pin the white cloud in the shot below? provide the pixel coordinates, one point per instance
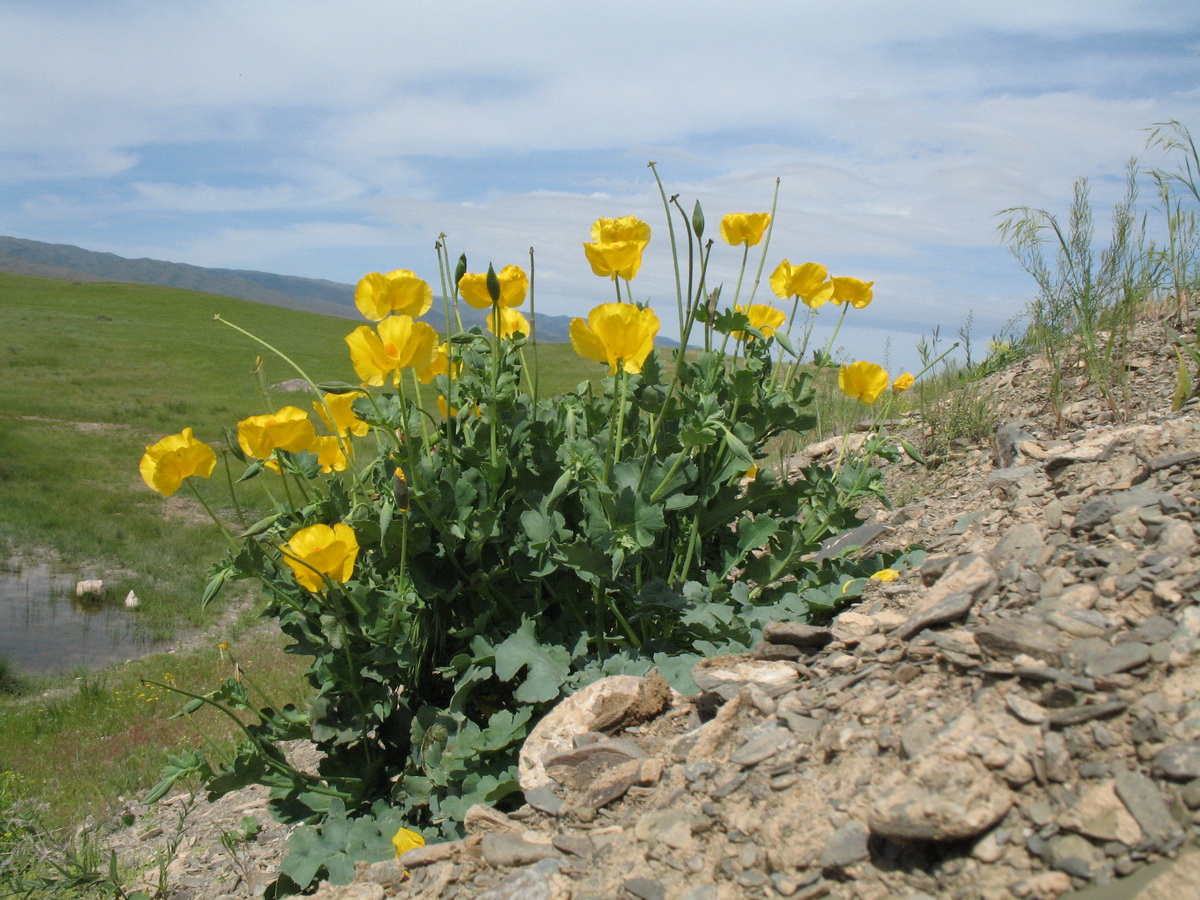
(344, 136)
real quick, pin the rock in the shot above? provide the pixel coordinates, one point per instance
(645, 888)
(574, 715)
(1101, 815)
(964, 581)
(92, 589)
(1141, 798)
(726, 675)
(797, 634)
(942, 799)
(1121, 658)
(1178, 762)
(1022, 636)
(504, 850)
(845, 846)
(132, 601)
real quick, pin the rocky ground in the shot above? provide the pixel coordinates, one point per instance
(1019, 716)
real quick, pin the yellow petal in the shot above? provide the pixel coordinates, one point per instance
(744, 228)
(341, 406)
(367, 355)
(167, 462)
(511, 322)
(854, 291)
(626, 228)
(864, 381)
(405, 840)
(400, 291)
(615, 258)
(903, 382)
(587, 344)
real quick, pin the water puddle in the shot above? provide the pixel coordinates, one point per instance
(45, 629)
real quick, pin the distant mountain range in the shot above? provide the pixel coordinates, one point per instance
(329, 298)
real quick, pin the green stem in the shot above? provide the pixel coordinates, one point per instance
(674, 250)
(766, 243)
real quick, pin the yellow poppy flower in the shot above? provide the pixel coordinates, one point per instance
(903, 382)
(763, 317)
(616, 333)
(288, 429)
(808, 281)
(511, 322)
(440, 365)
(854, 291)
(405, 840)
(616, 246)
(378, 296)
(344, 420)
(329, 454)
(514, 285)
(320, 550)
(744, 228)
(886, 575)
(397, 342)
(168, 461)
(864, 381)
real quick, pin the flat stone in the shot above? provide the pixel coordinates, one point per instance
(579, 768)
(762, 744)
(544, 800)
(797, 634)
(1101, 815)
(1178, 762)
(645, 888)
(612, 784)
(1141, 797)
(1120, 658)
(1024, 544)
(727, 675)
(511, 850)
(1080, 714)
(845, 846)
(964, 581)
(430, 854)
(1019, 636)
(1025, 710)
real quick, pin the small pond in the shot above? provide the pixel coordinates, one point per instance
(44, 629)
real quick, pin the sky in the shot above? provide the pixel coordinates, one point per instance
(329, 140)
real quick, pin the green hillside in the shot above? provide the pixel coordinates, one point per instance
(95, 371)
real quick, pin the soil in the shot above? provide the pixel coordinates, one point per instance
(1017, 716)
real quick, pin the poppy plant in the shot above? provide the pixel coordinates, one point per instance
(401, 292)
(514, 285)
(903, 382)
(166, 463)
(854, 291)
(344, 422)
(616, 246)
(287, 429)
(808, 281)
(395, 343)
(320, 550)
(511, 322)
(330, 456)
(439, 365)
(763, 317)
(616, 333)
(744, 228)
(863, 381)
